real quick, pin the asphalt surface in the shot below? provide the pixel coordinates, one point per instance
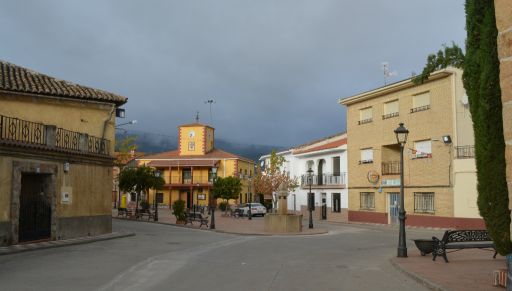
(164, 257)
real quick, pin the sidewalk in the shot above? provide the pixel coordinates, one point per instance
(469, 269)
(12, 249)
(232, 225)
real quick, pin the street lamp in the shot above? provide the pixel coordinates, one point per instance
(157, 174)
(401, 137)
(310, 197)
(212, 208)
(126, 123)
(249, 216)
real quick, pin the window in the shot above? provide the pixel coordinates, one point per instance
(420, 102)
(336, 166)
(336, 202)
(366, 156)
(422, 149)
(390, 109)
(367, 200)
(187, 177)
(191, 146)
(365, 115)
(159, 197)
(424, 202)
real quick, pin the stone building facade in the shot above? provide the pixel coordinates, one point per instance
(56, 157)
(503, 10)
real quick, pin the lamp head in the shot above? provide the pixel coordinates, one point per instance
(401, 134)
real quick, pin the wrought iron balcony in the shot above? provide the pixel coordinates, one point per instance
(325, 180)
(465, 152)
(390, 168)
(17, 131)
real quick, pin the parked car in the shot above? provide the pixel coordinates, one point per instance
(256, 209)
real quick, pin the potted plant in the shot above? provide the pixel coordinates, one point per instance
(178, 209)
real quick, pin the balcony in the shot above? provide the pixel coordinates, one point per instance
(465, 152)
(179, 180)
(324, 181)
(390, 168)
(19, 132)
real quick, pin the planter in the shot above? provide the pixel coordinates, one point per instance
(426, 246)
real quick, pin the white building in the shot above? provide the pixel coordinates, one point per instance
(327, 159)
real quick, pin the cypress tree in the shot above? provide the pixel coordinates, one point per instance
(481, 81)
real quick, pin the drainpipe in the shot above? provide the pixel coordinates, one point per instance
(106, 121)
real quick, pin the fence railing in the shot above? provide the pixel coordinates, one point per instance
(175, 179)
(390, 168)
(324, 180)
(23, 131)
(465, 152)
(26, 132)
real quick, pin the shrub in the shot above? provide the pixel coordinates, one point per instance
(223, 205)
(178, 208)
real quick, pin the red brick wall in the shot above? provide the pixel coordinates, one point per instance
(445, 222)
(368, 216)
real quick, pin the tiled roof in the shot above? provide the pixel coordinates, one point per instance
(14, 78)
(195, 124)
(329, 145)
(183, 163)
(319, 141)
(173, 155)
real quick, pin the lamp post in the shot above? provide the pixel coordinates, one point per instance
(310, 198)
(249, 216)
(401, 137)
(212, 207)
(157, 174)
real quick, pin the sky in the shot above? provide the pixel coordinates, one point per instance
(275, 68)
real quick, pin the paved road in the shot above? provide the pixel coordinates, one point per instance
(162, 257)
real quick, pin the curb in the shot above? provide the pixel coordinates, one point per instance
(61, 243)
(321, 232)
(419, 279)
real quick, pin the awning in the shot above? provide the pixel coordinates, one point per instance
(183, 163)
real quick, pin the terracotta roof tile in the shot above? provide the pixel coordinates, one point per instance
(329, 145)
(14, 78)
(214, 154)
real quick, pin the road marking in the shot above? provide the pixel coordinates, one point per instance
(148, 273)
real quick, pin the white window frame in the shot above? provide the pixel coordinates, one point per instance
(422, 149)
(366, 156)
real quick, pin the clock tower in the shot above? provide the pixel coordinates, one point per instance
(195, 139)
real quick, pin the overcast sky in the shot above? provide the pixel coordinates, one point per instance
(274, 68)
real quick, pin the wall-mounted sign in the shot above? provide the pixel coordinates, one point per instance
(373, 177)
(66, 196)
(390, 182)
(201, 196)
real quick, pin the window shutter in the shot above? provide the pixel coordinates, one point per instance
(365, 113)
(391, 107)
(367, 155)
(420, 100)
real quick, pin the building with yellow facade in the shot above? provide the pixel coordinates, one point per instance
(187, 171)
(439, 165)
(56, 157)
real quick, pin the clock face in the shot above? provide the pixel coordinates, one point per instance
(191, 134)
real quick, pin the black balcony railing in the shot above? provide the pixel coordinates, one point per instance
(324, 180)
(23, 132)
(390, 168)
(465, 152)
(420, 108)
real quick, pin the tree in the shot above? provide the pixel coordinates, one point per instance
(227, 188)
(268, 181)
(140, 180)
(124, 149)
(448, 56)
(482, 84)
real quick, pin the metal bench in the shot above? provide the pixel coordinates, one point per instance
(198, 216)
(462, 239)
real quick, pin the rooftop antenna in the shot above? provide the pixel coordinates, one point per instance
(387, 73)
(210, 101)
(197, 116)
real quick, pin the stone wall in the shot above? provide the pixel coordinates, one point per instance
(504, 23)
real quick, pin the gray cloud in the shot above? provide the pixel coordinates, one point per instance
(275, 68)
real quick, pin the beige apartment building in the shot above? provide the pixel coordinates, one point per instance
(439, 166)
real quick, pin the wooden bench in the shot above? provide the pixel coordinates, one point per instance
(123, 212)
(462, 239)
(146, 213)
(198, 216)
